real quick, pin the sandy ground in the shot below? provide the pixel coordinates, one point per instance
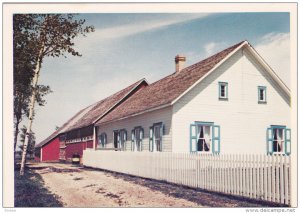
(88, 188)
(84, 187)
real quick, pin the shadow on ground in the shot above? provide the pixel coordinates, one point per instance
(201, 197)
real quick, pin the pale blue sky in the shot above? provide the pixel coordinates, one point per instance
(127, 47)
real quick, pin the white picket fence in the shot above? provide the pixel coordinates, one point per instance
(254, 176)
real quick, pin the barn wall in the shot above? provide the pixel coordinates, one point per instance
(144, 120)
(242, 119)
(50, 151)
(78, 148)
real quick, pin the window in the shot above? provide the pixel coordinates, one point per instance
(122, 139)
(279, 140)
(155, 137)
(205, 137)
(137, 135)
(223, 90)
(262, 94)
(102, 140)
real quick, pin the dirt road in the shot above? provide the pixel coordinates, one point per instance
(81, 187)
(87, 188)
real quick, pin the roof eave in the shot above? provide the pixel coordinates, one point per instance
(107, 111)
(135, 114)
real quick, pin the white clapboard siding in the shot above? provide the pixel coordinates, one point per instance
(243, 121)
(254, 176)
(145, 120)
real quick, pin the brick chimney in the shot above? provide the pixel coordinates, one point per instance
(179, 62)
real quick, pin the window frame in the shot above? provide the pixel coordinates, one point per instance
(122, 140)
(264, 88)
(161, 127)
(134, 141)
(215, 137)
(103, 135)
(225, 84)
(285, 139)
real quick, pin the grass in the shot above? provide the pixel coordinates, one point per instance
(30, 191)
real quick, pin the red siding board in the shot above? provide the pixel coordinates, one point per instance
(50, 152)
(78, 148)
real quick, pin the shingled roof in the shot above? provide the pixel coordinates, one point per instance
(164, 91)
(92, 113)
(66, 125)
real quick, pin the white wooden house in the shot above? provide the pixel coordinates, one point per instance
(231, 102)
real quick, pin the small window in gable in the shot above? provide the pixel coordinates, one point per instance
(223, 90)
(262, 94)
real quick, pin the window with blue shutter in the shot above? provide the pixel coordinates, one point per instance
(151, 139)
(156, 133)
(137, 135)
(278, 140)
(205, 137)
(122, 139)
(102, 139)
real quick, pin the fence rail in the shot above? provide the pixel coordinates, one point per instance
(254, 176)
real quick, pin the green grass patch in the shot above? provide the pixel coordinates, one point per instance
(30, 191)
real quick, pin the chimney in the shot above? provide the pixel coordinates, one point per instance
(179, 62)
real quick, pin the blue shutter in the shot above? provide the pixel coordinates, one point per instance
(132, 140)
(119, 139)
(216, 139)
(269, 141)
(193, 138)
(151, 139)
(124, 139)
(287, 141)
(161, 136)
(141, 137)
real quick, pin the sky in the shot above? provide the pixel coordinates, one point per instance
(128, 47)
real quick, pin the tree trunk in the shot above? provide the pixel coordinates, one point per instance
(31, 107)
(16, 134)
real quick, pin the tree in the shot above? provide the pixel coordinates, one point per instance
(24, 63)
(53, 35)
(31, 141)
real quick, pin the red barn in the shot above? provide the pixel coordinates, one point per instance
(78, 133)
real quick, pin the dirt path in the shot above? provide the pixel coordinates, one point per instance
(82, 187)
(88, 188)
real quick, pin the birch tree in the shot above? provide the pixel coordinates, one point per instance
(54, 36)
(23, 66)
